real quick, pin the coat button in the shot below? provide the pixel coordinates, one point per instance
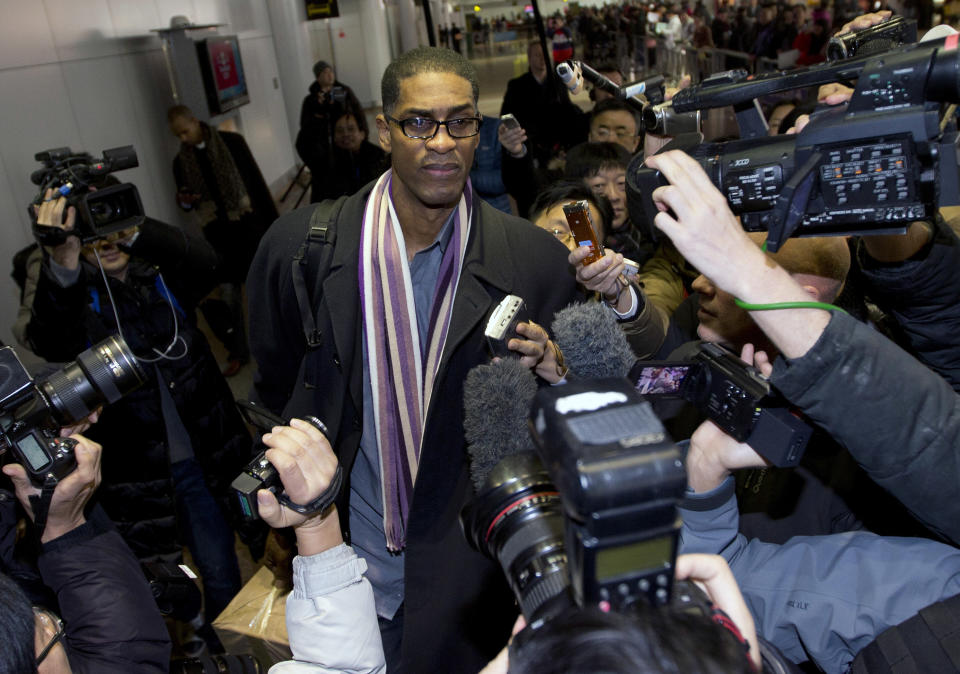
(172, 385)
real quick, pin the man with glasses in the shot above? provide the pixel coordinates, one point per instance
(417, 263)
(613, 121)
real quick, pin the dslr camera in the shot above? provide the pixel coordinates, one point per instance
(32, 412)
(872, 166)
(592, 520)
(100, 212)
(734, 396)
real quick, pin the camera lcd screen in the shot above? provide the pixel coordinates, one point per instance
(662, 379)
(627, 559)
(31, 450)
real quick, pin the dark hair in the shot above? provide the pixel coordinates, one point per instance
(564, 191)
(587, 159)
(178, 111)
(425, 60)
(358, 117)
(17, 629)
(611, 104)
(644, 641)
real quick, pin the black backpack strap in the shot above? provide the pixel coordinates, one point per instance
(926, 642)
(311, 264)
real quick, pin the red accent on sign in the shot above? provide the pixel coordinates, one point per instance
(224, 65)
(951, 41)
(342, 34)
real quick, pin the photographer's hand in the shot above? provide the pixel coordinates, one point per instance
(512, 140)
(712, 574)
(707, 233)
(865, 21)
(51, 213)
(603, 276)
(533, 348)
(71, 494)
(713, 455)
(306, 464)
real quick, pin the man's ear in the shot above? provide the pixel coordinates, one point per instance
(383, 133)
(813, 291)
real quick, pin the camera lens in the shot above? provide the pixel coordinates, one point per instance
(105, 212)
(518, 521)
(100, 375)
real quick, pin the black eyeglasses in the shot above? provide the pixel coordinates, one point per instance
(425, 128)
(48, 619)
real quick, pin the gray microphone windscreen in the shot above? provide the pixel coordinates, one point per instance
(496, 402)
(592, 342)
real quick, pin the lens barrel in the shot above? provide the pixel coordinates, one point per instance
(99, 376)
(518, 521)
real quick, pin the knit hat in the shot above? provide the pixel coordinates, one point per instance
(319, 67)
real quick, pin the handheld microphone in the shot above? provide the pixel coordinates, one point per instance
(496, 405)
(575, 83)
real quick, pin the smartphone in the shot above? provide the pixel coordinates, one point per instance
(259, 416)
(584, 233)
(510, 122)
(502, 325)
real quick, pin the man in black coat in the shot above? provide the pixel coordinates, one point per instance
(541, 103)
(110, 621)
(356, 161)
(442, 606)
(173, 445)
(327, 100)
(218, 180)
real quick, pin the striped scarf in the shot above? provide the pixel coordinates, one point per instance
(401, 375)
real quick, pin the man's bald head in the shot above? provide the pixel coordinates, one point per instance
(822, 261)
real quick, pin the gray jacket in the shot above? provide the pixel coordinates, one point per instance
(821, 597)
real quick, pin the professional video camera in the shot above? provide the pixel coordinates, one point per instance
(610, 533)
(32, 412)
(734, 396)
(872, 166)
(101, 212)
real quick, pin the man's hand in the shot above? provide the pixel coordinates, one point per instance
(865, 21)
(51, 213)
(600, 276)
(532, 348)
(512, 140)
(713, 455)
(703, 228)
(71, 494)
(712, 574)
(306, 464)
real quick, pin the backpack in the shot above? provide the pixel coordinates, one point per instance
(311, 264)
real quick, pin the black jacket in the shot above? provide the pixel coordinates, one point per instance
(137, 491)
(350, 171)
(545, 112)
(111, 619)
(457, 607)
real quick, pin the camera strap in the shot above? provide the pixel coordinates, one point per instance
(40, 504)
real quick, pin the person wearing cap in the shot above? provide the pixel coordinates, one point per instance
(327, 101)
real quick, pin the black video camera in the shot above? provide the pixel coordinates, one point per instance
(600, 519)
(873, 166)
(33, 412)
(100, 212)
(260, 473)
(734, 396)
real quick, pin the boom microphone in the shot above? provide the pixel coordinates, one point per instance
(496, 404)
(592, 343)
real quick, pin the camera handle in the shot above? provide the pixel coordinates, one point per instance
(41, 504)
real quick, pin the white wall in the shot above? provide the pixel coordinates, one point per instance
(90, 74)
